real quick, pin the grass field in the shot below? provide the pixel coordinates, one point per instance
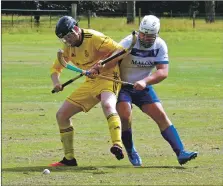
(192, 96)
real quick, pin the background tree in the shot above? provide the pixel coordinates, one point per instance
(193, 8)
(119, 8)
(130, 12)
(210, 11)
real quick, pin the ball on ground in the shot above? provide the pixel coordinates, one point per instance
(46, 171)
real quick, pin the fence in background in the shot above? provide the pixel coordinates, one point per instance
(15, 17)
(48, 18)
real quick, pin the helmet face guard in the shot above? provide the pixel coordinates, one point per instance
(148, 30)
(70, 39)
(147, 40)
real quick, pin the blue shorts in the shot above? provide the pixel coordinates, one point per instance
(138, 97)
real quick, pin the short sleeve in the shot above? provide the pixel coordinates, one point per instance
(162, 56)
(126, 42)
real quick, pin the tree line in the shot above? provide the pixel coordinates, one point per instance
(112, 8)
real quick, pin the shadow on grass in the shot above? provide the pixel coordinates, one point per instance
(147, 167)
(54, 169)
(162, 167)
(97, 169)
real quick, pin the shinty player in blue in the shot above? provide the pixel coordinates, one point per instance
(149, 52)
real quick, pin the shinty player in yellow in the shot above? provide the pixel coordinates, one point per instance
(85, 48)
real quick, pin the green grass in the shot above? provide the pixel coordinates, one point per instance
(192, 96)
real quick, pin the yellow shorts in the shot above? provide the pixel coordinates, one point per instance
(86, 95)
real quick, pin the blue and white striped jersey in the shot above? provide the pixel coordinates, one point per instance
(141, 61)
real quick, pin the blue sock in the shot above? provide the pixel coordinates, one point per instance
(170, 134)
(127, 140)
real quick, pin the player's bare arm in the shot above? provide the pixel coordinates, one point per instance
(95, 69)
(57, 69)
(56, 82)
(159, 75)
(98, 66)
(115, 57)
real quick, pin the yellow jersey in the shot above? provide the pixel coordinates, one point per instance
(94, 47)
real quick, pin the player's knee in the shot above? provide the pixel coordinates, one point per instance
(161, 119)
(60, 117)
(162, 115)
(108, 107)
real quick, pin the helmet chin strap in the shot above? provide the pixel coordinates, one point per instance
(145, 45)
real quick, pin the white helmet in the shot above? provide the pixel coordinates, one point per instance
(150, 25)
